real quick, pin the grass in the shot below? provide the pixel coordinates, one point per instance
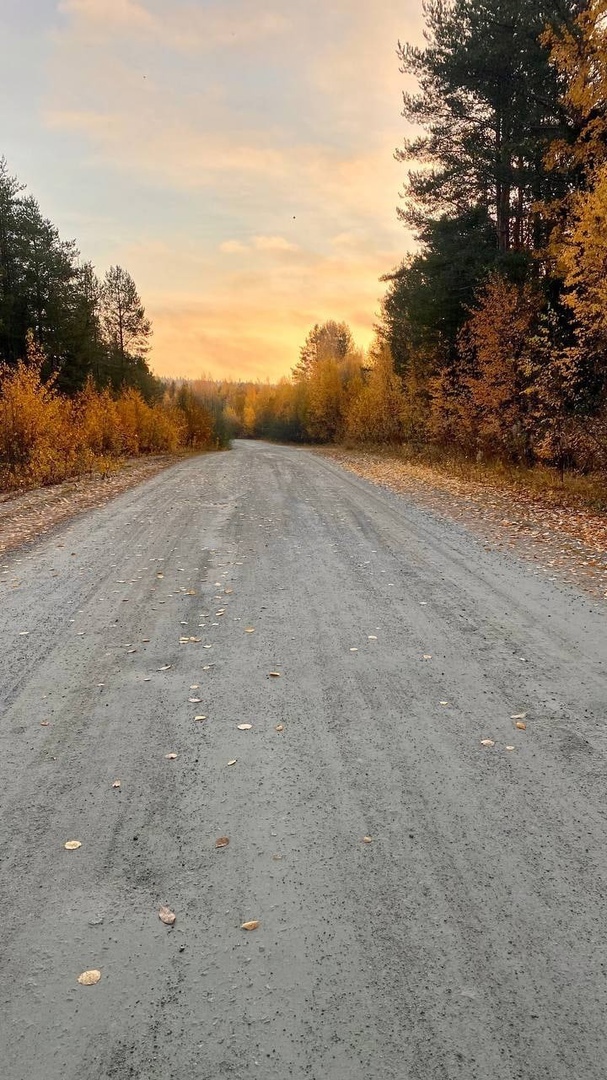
(538, 483)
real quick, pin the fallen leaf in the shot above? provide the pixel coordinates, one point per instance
(280, 727)
(72, 845)
(252, 925)
(233, 761)
(167, 916)
(170, 757)
(519, 716)
(89, 978)
(244, 727)
(521, 726)
(367, 839)
(222, 841)
(487, 742)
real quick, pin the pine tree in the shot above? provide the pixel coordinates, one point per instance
(126, 328)
(489, 104)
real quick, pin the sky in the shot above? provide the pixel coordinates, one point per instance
(236, 156)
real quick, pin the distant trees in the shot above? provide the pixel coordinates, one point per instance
(327, 339)
(341, 393)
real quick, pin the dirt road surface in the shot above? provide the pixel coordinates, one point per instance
(466, 940)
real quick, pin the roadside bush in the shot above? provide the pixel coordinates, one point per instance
(46, 437)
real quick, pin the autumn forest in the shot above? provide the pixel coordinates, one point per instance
(490, 338)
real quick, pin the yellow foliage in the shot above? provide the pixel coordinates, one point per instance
(35, 428)
(332, 385)
(46, 437)
(485, 403)
(582, 257)
(375, 412)
(579, 54)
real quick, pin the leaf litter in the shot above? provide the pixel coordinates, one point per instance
(89, 978)
(552, 529)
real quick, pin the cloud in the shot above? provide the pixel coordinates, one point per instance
(273, 243)
(184, 27)
(255, 134)
(233, 247)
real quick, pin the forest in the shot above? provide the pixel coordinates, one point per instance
(76, 391)
(491, 336)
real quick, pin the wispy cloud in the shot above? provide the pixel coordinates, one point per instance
(263, 138)
(184, 27)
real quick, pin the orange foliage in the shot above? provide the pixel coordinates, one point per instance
(376, 412)
(46, 437)
(486, 404)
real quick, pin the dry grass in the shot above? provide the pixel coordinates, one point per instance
(573, 490)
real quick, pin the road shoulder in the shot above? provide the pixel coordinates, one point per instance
(27, 515)
(564, 543)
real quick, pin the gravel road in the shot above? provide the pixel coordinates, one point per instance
(466, 940)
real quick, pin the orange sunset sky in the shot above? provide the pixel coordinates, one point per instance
(235, 156)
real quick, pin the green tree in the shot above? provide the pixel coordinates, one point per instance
(429, 295)
(489, 104)
(126, 328)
